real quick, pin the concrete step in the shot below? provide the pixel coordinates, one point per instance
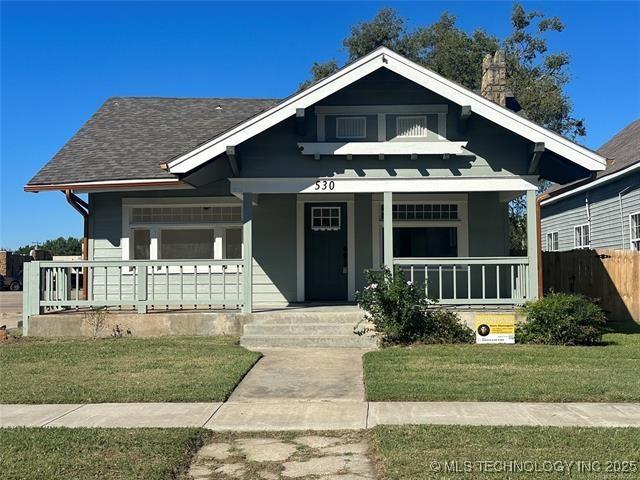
(305, 329)
(326, 341)
(293, 317)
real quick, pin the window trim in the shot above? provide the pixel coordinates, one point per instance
(330, 228)
(347, 137)
(557, 242)
(219, 228)
(404, 117)
(631, 238)
(582, 226)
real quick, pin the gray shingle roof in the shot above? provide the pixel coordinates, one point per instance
(623, 149)
(129, 137)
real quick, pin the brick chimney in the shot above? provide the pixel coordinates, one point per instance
(494, 78)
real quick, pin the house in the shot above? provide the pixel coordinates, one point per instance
(261, 203)
(603, 210)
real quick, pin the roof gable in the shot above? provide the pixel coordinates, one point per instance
(385, 58)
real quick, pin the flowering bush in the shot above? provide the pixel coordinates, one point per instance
(398, 309)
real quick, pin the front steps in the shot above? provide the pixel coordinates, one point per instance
(308, 329)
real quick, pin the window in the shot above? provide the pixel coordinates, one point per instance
(552, 242)
(425, 242)
(141, 246)
(325, 218)
(176, 232)
(414, 126)
(187, 244)
(419, 211)
(634, 230)
(581, 236)
(351, 127)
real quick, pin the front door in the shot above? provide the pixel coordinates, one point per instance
(325, 251)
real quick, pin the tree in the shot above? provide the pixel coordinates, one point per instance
(58, 246)
(536, 77)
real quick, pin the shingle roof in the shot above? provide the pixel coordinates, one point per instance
(623, 149)
(129, 137)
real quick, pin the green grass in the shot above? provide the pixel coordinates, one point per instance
(170, 369)
(607, 373)
(416, 452)
(90, 453)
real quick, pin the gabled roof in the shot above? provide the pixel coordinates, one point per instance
(129, 137)
(623, 153)
(385, 58)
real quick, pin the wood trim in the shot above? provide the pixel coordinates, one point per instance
(107, 185)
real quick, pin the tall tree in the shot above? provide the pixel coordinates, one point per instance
(56, 246)
(536, 77)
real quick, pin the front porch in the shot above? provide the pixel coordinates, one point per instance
(306, 248)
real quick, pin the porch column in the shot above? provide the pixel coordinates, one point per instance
(533, 244)
(388, 229)
(247, 269)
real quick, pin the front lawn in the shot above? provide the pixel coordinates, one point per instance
(90, 453)
(169, 369)
(462, 452)
(515, 373)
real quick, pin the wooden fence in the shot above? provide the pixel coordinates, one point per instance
(612, 276)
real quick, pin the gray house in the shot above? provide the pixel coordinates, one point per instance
(259, 203)
(603, 210)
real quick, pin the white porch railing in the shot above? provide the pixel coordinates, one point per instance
(470, 280)
(135, 284)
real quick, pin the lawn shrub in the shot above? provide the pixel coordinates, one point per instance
(562, 319)
(402, 314)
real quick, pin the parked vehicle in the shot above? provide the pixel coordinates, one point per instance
(11, 283)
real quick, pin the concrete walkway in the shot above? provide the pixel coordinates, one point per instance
(292, 374)
(318, 415)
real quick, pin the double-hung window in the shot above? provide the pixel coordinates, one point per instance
(581, 237)
(184, 232)
(634, 231)
(552, 242)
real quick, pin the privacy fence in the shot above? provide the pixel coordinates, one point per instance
(613, 276)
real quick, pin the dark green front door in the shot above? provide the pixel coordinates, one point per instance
(325, 243)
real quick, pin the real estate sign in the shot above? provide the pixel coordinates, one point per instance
(492, 328)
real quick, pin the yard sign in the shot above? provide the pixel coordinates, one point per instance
(495, 328)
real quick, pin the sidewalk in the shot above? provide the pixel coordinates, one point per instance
(318, 415)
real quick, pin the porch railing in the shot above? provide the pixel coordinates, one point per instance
(470, 280)
(135, 284)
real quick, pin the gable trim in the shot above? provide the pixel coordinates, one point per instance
(595, 183)
(385, 58)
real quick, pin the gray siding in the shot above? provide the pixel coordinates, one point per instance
(608, 229)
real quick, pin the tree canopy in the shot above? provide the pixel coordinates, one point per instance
(536, 77)
(57, 246)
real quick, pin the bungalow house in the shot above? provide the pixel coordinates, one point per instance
(603, 210)
(259, 203)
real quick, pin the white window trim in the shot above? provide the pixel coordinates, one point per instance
(575, 228)
(346, 137)
(550, 247)
(461, 223)
(631, 238)
(329, 228)
(406, 117)
(219, 228)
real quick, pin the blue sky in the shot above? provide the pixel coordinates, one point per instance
(60, 61)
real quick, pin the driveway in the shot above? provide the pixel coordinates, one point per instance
(10, 309)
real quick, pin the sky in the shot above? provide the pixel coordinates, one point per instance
(60, 61)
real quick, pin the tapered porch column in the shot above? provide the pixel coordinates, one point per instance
(247, 270)
(533, 244)
(388, 229)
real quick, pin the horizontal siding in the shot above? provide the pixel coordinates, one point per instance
(604, 207)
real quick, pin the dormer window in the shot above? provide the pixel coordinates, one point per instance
(351, 127)
(414, 126)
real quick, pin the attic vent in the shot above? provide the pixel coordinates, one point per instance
(219, 107)
(414, 126)
(351, 127)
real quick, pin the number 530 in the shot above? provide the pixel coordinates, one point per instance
(325, 185)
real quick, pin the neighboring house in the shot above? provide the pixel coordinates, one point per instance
(602, 211)
(257, 202)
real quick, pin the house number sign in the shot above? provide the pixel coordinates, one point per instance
(325, 185)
